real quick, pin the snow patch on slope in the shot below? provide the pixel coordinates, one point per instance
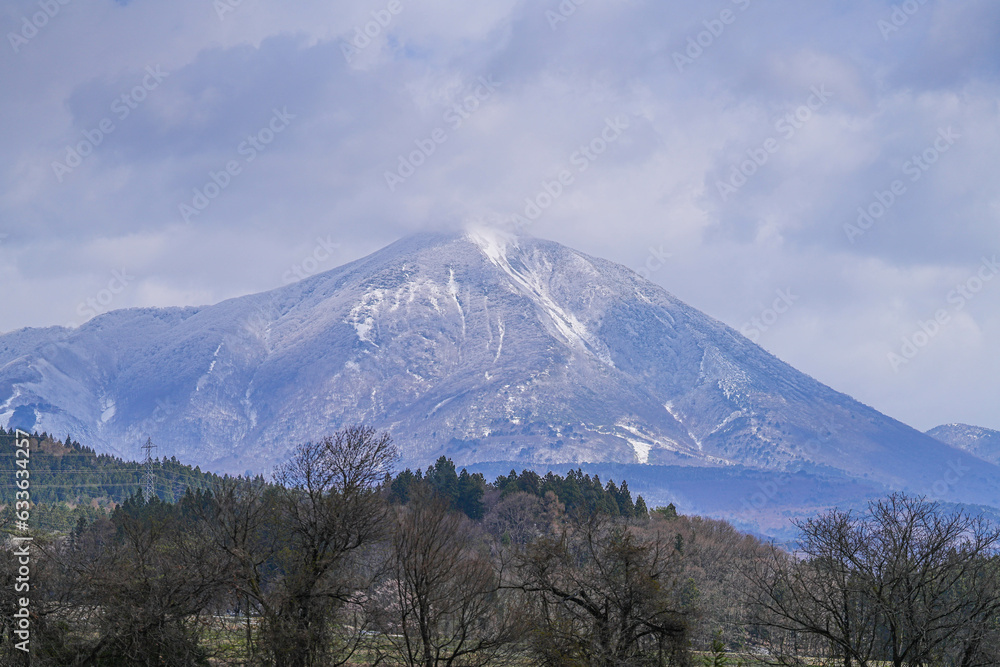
(364, 315)
(108, 409)
(641, 443)
(453, 290)
(13, 396)
(641, 448)
(669, 405)
(211, 367)
(495, 245)
(733, 415)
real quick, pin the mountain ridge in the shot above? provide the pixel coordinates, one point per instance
(481, 346)
(979, 441)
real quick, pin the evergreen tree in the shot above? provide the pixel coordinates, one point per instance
(640, 508)
(443, 478)
(400, 488)
(470, 495)
(668, 512)
(624, 498)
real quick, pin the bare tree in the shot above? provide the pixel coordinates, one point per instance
(443, 603)
(135, 590)
(713, 591)
(521, 517)
(330, 511)
(904, 583)
(241, 524)
(606, 595)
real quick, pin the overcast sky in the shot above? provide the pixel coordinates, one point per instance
(184, 152)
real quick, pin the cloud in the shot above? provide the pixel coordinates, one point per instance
(704, 89)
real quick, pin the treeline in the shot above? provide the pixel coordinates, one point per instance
(580, 494)
(70, 481)
(339, 562)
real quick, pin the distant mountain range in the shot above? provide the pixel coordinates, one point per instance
(480, 346)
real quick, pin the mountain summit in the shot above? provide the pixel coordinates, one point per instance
(480, 346)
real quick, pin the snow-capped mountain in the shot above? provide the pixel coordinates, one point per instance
(480, 346)
(978, 441)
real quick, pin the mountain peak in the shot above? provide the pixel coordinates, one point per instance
(479, 345)
(981, 442)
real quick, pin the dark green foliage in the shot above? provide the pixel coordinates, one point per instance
(668, 512)
(70, 482)
(582, 495)
(585, 496)
(640, 508)
(469, 495)
(443, 478)
(400, 487)
(124, 590)
(71, 472)
(528, 482)
(463, 492)
(716, 657)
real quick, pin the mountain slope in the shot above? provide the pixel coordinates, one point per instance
(981, 442)
(479, 346)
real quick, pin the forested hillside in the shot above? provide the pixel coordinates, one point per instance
(69, 481)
